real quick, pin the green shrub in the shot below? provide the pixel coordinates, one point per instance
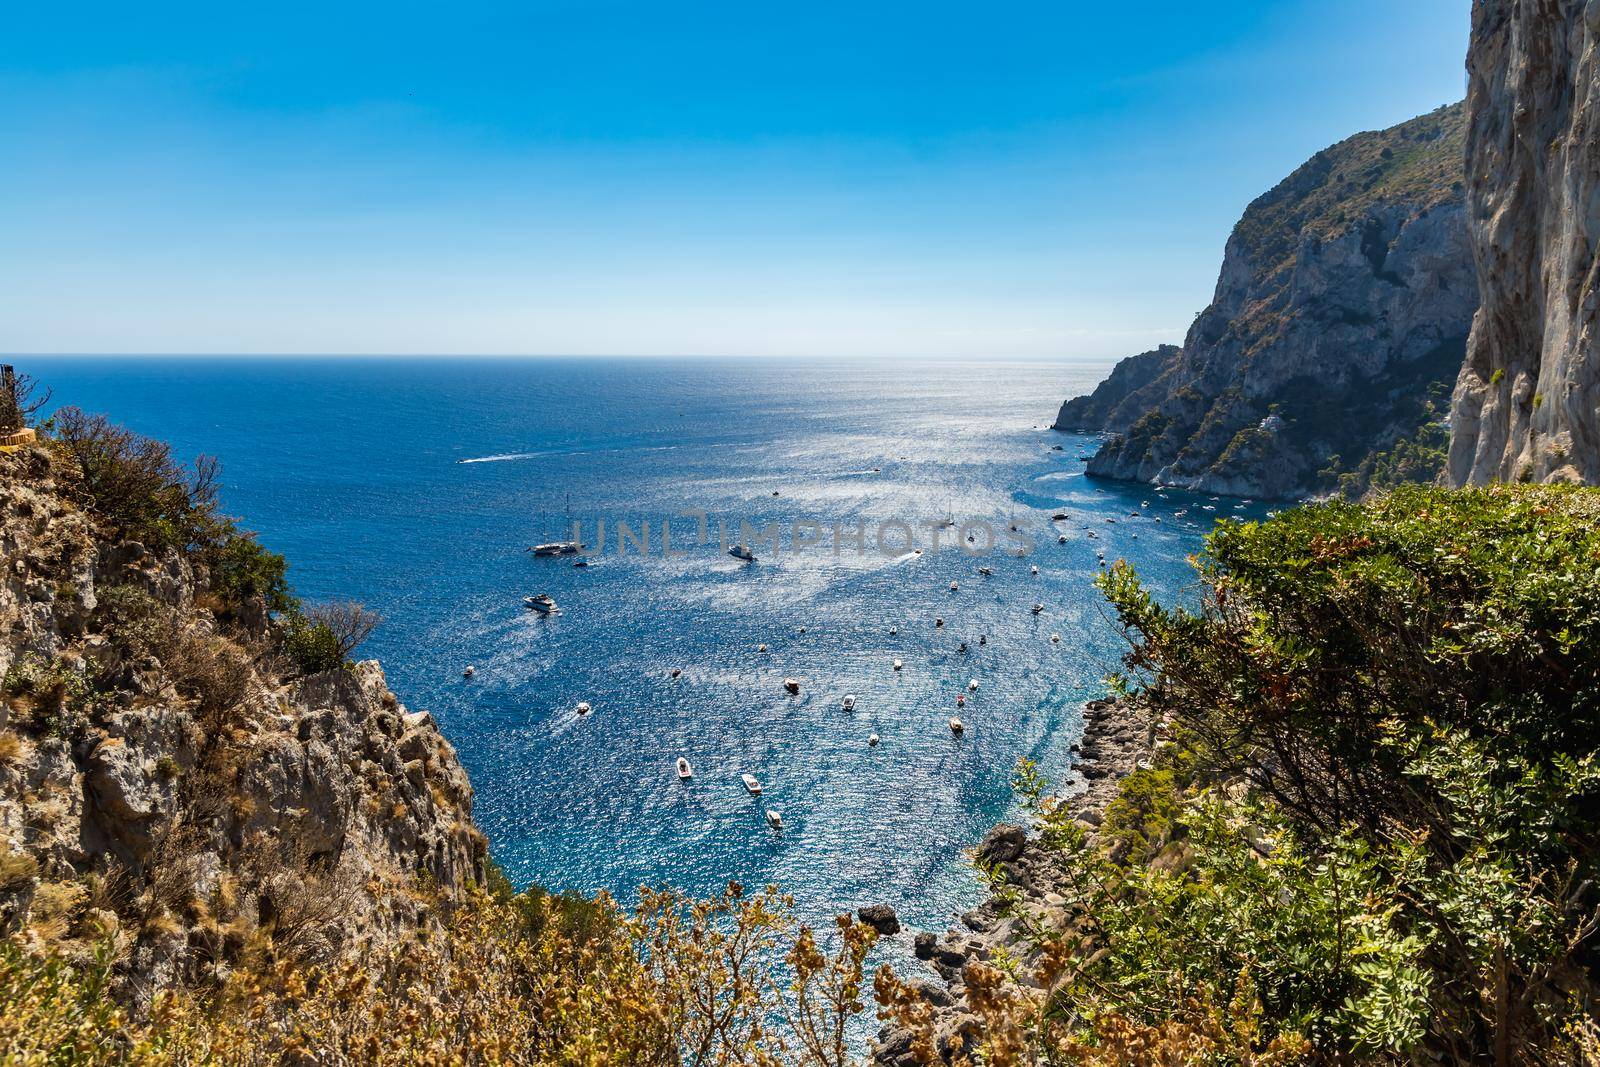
(1417, 678)
(241, 570)
(311, 646)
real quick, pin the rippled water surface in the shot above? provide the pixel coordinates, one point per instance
(415, 486)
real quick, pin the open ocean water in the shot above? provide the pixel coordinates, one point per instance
(416, 486)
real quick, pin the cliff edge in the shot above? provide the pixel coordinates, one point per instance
(173, 783)
(1527, 405)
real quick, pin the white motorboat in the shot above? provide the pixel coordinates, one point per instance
(792, 685)
(544, 603)
(774, 819)
(1055, 639)
(954, 587)
(850, 702)
(1034, 569)
(872, 740)
(469, 672)
(742, 552)
(583, 708)
(957, 726)
(898, 665)
(685, 772)
(1037, 608)
(751, 784)
(972, 686)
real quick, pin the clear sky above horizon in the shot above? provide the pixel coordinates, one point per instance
(1021, 180)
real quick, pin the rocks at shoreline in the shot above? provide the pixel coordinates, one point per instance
(1116, 738)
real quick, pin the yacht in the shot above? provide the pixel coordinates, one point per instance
(557, 548)
(751, 784)
(544, 603)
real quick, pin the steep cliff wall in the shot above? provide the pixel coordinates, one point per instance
(1527, 405)
(169, 783)
(1345, 294)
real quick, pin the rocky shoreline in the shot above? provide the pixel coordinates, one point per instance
(1117, 736)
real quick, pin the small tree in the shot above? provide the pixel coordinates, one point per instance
(349, 621)
(21, 397)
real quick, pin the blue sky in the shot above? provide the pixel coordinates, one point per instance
(1014, 180)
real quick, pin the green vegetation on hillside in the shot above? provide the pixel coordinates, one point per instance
(1371, 830)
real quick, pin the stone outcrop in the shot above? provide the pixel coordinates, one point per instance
(1527, 405)
(169, 783)
(1119, 401)
(1345, 296)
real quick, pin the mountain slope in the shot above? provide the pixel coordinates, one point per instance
(1346, 294)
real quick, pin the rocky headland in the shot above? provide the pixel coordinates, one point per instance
(1338, 323)
(173, 786)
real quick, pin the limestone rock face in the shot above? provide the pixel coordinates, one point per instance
(1527, 405)
(173, 777)
(1345, 293)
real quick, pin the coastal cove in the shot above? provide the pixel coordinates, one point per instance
(358, 471)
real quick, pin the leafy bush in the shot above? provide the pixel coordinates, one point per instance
(311, 646)
(242, 570)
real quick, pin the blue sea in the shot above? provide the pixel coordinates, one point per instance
(416, 486)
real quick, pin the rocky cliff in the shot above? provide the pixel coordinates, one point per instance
(1346, 294)
(171, 786)
(1527, 405)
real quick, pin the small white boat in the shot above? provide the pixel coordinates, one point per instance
(972, 686)
(469, 672)
(583, 708)
(751, 784)
(954, 587)
(544, 603)
(792, 685)
(872, 740)
(1061, 539)
(774, 819)
(685, 772)
(581, 562)
(1033, 569)
(850, 702)
(742, 553)
(677, 672)
(893, 630)
(956, 725)
(898, 665)
(761, 648)
(557, 548)
(938, 622)
(1037, 608)
(1055, 639)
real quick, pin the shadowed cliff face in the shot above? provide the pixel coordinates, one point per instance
(1527, 405)
(1346, 294)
